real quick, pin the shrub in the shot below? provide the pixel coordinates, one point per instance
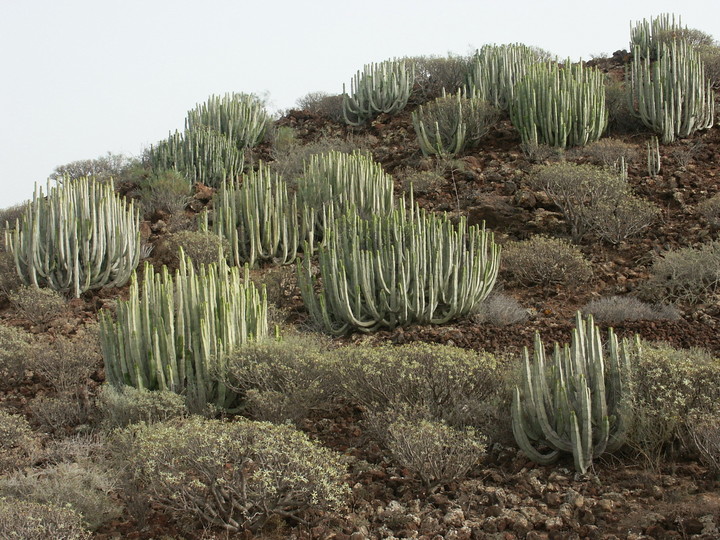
(39, 306)
(704, 431)
(450, 382)
(58, 414)
(16, 352)
(687, 274)
(11, 215)
(290, 162)
(617, 309)
(202, 247)
(609, 152)
(500, 310)
(280, 379)
(164, 191)
(233, 475)
(620, 116)
(542, 260)
(104, 168)
(710, 55)
(670, 386)
(710, 209)
(125, 405)
(435, 75)
(324, 104)
(85, 488)
(18, 444)
(33, 521)
(435, 452)
(9, 279)
(592, 198)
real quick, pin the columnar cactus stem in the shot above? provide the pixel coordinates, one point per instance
(242, 118)
(176, 335)
(578, 404)
(80, 236)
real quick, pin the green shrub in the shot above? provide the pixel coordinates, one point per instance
(165, 191)
(620, 116)
(542, 260)
(120, 407)
(289, 162)
(202, 247)
(704, 432)
(16, 353)
(83, 487)
(435, 75)
(670, 387)
(621, 216)
(233, 475)
(280, 379)
(687, 274)
(18, 444)
(32, 521)
(436, 452)
(452, 383)
(39, 306)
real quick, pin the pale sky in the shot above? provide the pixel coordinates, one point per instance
(79, 78)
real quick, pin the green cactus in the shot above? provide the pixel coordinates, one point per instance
(177, 334)
(242, 118)
(449, 124)
(654, 160)
(380, 88)
(560, 106)
(408, 266)
(578, 404)
(496, 69)
(646, 36)
(201, 155)
(671, 95)
(258, 217)
(80, 236)
(344, 181)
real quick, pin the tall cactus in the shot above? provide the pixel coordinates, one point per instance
(80, 236)
(202, 154)
(647, 35)
(380, 88)
(578, 404)
(258, 217)
(409, 266)
(242, 118)
(177, 333)
(560, 106)
(496, 69)
(449, 124)
(344, 181)
(671, 95)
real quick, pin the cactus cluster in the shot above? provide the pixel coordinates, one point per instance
(496, 69)
(671, 95)
(647, 35)
(176, 334)
(258, 217)
(80, 236)
(449, 124)
(380, 88)
(560, 106)
(578, 403)
(404, 267)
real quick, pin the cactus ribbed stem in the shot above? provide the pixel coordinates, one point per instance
(242, 118)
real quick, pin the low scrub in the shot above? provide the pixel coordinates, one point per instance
(545, 261)
(617, 309)
(18, 444)
(120, 407)
(36, 521)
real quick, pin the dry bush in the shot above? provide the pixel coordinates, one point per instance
(39, 306)
(16, 351)
(120, 407)
(422, 182)
(433, 74)
(704, 431)
(322, 103)
(710, 209)
(586, 195)
(621, 119)
(103, 168)
(18, 444)
(500, 310)
(84, 487)
(11, 215)
(541, 153)
(688, 274)
(617, 309)
(290, 162)
(668, 387)
(452, 383)
(684, 152)
(9, 279)
(608, 152)
(201, 247)
(436, 452)
(67, 362)
(60, 413)
(710, 55)
(32, 521)
(542, 260)
(617, 218)
(280, 380)
(234, 475)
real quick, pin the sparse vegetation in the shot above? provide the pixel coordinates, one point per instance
(545, 261)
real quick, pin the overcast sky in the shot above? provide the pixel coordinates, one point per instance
(79, 78)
